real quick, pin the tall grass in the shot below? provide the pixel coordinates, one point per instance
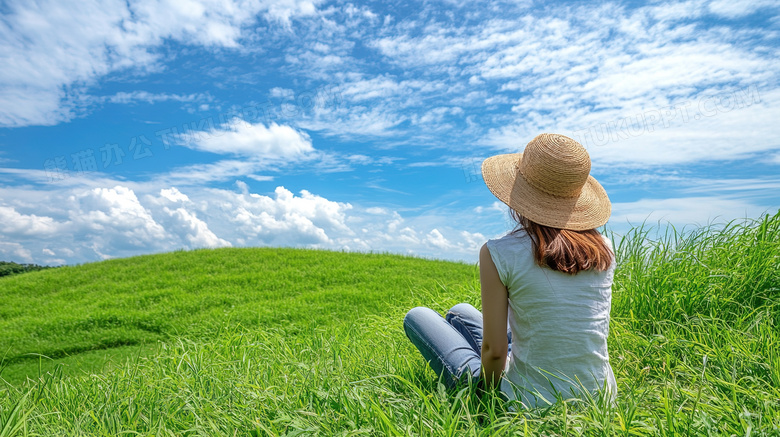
(694, 344)
(700, 311)
(723, 272)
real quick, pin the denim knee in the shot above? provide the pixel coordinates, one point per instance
(416, 315)
(461, 308)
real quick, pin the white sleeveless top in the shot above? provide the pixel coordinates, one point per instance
(559, 323)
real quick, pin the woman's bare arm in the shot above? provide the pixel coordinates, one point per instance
(494, 314)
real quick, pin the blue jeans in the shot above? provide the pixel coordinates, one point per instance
(452, 345)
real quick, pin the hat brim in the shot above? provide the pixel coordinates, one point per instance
(589, 210)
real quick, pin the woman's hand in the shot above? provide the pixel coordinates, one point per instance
(494, 314)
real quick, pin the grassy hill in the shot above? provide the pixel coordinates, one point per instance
(299, 342)
(135, 301)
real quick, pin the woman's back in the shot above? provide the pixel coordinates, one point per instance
(550, 281)
(559, 322)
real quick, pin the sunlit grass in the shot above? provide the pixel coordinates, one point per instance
(286, 342)
(114, 304)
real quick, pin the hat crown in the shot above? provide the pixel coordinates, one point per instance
(555, 164)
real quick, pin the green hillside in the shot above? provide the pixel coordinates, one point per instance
(134, 301)
(301, 342)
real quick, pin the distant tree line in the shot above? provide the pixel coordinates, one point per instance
(11, 268)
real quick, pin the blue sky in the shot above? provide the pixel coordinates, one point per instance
(132, 127)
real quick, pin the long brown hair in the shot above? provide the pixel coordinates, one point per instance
(564, 250)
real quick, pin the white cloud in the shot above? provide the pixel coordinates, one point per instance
(145, 96)
(740, 8)
(488, 77)
(252, 140)
(283, 10)
(309, 220)
(195, 231)
(286, 219)
(27, 225)
(201, 174)
(582, 67)
(379, 87)
(101, 223)
(518, 74)
(174, 195)
(355, 121)
(280, 92)
(260, 178)
(436, 239)
(15, 251)
(86, 224)
(699, 135)
(680, 211)
(52, 50)
(745, 187)
(577, 68)
(473, 240)
(113, 218)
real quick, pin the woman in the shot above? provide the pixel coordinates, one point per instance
(550, 279)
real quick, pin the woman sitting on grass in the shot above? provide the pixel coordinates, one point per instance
(551, 278)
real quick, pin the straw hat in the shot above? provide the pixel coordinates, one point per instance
(550, 184)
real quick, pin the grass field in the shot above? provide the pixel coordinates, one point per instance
(297, 342)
